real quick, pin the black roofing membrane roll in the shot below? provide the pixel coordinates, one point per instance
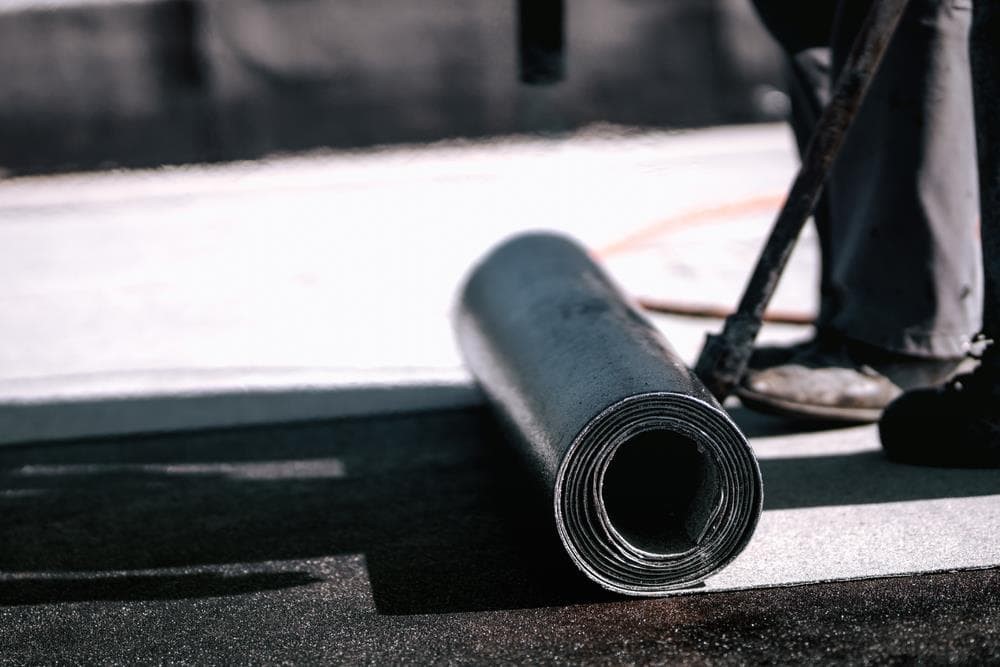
(654, 487)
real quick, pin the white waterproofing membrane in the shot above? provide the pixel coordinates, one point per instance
(654, 487)
(835, 508)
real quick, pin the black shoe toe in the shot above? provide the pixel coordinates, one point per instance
(942, 426)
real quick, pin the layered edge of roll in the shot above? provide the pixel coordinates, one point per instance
(671, 535)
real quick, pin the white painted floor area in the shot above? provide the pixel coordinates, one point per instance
(248, 286)
(836, 508)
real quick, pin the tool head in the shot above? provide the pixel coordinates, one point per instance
(724, 357)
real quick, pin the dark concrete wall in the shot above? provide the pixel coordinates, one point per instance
(94, 84)
(139, 82)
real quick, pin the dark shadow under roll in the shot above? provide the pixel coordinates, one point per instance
(654, 487)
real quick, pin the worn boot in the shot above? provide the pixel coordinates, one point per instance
(834, 379)
(956, 424)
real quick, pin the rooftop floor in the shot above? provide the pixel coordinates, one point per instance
(327, 485)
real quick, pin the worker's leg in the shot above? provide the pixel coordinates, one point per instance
(958, 424)
(985, 51)
(906, 271)
(902, 292)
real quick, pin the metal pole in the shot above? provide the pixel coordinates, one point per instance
(541, 41)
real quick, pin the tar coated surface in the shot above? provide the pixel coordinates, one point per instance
(357, 542)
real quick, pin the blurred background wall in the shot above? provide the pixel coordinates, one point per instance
(98, 83)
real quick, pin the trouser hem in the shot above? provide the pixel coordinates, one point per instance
(913, 342)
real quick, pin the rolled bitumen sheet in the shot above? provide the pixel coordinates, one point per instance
(654, 487)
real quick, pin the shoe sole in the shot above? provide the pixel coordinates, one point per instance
(804, 411)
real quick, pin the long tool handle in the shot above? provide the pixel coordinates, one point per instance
(723, 359)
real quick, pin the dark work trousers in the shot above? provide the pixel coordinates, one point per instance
(897, 226)
(985, 51)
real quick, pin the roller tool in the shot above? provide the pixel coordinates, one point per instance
(651, 485)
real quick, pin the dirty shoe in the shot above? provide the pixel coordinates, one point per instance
(956, 424)
(833, 379)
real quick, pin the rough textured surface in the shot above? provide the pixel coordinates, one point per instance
(413, 539)
(946, 618)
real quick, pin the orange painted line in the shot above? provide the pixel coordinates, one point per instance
(763, 204)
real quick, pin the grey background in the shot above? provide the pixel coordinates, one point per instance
(92, 84)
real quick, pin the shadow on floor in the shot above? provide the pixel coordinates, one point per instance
(45, 590)
(444, 515)
(757, 425)
(863, 478)
(438, 507)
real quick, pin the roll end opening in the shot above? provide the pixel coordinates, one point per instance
(660, 492)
